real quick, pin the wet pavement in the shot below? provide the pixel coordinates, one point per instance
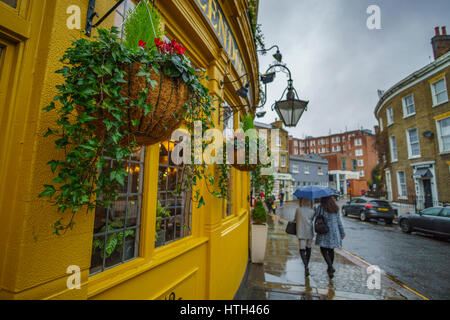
(282, 277)
(420, 262)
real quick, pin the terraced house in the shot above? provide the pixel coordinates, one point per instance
(414, 132)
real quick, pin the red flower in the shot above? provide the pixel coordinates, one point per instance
(142, 44)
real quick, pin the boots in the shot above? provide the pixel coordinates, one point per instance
(328, 255)
(305, 259)
(308, 257)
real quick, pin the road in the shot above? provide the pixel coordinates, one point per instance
(418, 261)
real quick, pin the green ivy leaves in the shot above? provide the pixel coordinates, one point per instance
(92, 170)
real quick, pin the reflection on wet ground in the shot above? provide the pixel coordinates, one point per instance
(282, 277)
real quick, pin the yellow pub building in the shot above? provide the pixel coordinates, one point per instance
(189, 253)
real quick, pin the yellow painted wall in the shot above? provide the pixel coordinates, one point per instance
(209, 264)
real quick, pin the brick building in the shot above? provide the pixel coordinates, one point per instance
(414, 132)
(350, 155)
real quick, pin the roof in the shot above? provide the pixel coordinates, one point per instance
(309, 158)
(267, 126)
(426, 71)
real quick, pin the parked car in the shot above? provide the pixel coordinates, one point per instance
(367, 209)
(434, 220)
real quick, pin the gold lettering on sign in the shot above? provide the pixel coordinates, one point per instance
(214, 14)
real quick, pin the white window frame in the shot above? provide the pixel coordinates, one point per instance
(439, 136)
(359, 152)
(295, 143)
(394, 155)
(313, 151)
(278, 141)
(358, 142)
(434, 94)
(283, 161)
(399, 186)
(296, 151)
(295, 168)
(405, 107)
(306, 170)
(360, 163)
(390, 118)
(381, 123)
(312, 144)
(410, 156)
(362, 173)
(320, 171)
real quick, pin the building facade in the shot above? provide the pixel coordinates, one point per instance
(350, 155)
(203, 252)
(414, 132)
(280, 157)
(309, 170)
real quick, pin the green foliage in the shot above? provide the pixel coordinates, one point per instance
(247, 122)
(93, 81)
(114, 241)
(258, 35)
(259, 214)
(142, 23)
(160, 213)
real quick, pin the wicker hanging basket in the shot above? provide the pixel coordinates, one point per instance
(168, 99)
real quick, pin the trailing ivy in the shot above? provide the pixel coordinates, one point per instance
(93, 79)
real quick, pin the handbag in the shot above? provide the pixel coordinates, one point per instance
(291, 228)
(320, 224)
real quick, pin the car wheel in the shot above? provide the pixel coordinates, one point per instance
(388, 221)
(405, 226)
(363, 216)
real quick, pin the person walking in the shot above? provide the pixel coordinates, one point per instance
(281, 199)
(304, 219)
(333, 238)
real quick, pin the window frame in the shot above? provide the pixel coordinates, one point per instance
(359, 151)
(439, 136)
(360, 163)
(399, 186)
(405, 106)
(408, 140)
(390, 116)
(434, 94)
(391, 148)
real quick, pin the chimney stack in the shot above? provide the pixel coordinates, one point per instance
(440, 42)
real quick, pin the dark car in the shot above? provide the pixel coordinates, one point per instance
(434, 220)
(367, 209)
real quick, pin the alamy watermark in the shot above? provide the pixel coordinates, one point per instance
(374, 277)
(374, 20)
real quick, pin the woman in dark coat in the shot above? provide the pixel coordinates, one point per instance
(333, 238)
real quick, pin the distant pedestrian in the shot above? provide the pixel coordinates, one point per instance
(304, 219)
(333, 238)
(281, 199)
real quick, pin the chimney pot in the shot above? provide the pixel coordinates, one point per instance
(444, 31)
(436, 30)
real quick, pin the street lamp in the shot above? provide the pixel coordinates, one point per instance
(290, 110)
(277, 56)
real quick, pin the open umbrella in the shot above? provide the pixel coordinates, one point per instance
(313, 192)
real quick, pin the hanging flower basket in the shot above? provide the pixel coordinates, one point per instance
(246, 167)
(167, 99)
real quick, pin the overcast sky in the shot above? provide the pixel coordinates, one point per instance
(337, 63)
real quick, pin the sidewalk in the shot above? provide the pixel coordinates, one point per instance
(281, 277)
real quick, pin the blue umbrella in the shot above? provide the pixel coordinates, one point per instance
(313, 192)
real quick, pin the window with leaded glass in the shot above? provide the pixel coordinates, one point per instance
(11, 3)
(173, 208)
(117, 227)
